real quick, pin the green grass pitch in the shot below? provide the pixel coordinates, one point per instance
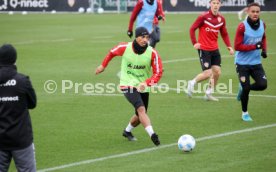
(71, 127)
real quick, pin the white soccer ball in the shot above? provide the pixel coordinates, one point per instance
(81, 10)
(186, 143)
(88, 10)
(100, 10)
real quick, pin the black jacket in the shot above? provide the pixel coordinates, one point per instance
(16, 97)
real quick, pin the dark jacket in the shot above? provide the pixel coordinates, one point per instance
(16, 97)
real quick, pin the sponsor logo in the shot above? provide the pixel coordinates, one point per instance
(131, 66)
(242, 78)
(11, 82)
(135, 75)
(9, 99)
(23, 4)
(4, 5)
(206, 64)
(219, 19)
(207, 29)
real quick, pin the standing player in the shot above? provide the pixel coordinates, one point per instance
(137, 60)
(209, 24)
(249, 41)
(145, 11)
(16, 97)
(244, 10)
(155, 35)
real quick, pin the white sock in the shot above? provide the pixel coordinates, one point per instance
(149, 130)
(193, 82)
(129, 127)
(244, 113)
(209, 91)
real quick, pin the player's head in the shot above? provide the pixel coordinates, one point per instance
(7, 54)
(142, 36)
(215, 6)
(253, 11)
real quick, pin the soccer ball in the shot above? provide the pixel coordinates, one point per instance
(100, 10)
(186, 143)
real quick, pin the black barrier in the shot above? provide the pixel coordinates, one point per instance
(168, 5)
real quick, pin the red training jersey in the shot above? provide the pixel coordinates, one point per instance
(156, 63)
(239, 46)
(138, 7)
(209, 26)
(160, 12)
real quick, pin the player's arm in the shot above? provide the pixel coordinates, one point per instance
(239, 46)
(133, 17)
(159, 12)
(198, 23)
(264, 45)
(115, 51)
(157, 68)
(225, 37)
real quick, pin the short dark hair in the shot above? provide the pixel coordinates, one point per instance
(254, 4)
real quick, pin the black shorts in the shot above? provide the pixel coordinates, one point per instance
(255, 71)
(136, 98)
(209, 59)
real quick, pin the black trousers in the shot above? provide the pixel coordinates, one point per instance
(258, 74)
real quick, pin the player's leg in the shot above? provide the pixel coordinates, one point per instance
(205, 62)
(140, 103)
(134, 120)
(24, 159)
(143, 116)
(5, 160)
(258, 74)
(216, 72)
(244, 79)
(155, 36)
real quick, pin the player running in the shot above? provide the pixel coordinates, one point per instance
(146, 12)
(249, 41)
(137, 60)
(209, 24)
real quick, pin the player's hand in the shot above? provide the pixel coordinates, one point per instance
(231, 50)
(197, 46)
(141, 87)
(129, 33)
(160, 18)
(259, 45)
(264, 54)
(99, 69)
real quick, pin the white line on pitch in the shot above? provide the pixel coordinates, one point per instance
(37, 41)
(90, 161)
(231, 94)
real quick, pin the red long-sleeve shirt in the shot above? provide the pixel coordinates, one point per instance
(160, 12)
(239, 46)
(138, 7)
(209, 26)
(156, 62)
